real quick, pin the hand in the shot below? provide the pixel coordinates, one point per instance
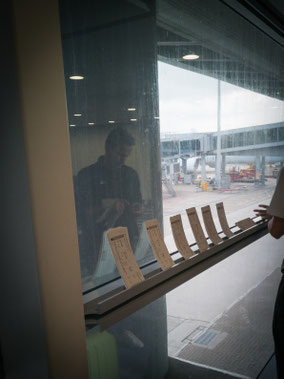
(112, 209)
(136, 208)
(263, 212)
(119, 206)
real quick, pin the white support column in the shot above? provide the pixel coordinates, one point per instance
(203, 168)
(223, 165)
(257, 169)
(262, 174)
(218, 155)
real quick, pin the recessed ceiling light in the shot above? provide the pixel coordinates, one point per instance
(131, 109)
(111, 121)
(72, 125)
(133, 119)
(156, 117)
(190, 57)
(76, 77)
(77, 114)
(91, 123)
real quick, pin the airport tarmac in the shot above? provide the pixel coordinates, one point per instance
(198, 303)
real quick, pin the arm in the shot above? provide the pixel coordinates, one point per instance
(88, 195)
(134, 195)
(276, 227)
(276, 209)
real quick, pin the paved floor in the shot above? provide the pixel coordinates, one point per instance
(195, 305)
(240, 340)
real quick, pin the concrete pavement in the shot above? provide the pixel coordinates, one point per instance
(197, 303)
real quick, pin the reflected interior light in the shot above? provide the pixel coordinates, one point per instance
(72, 125)
(156, 117)
(76, 77)
(190, 57)
(111, 121)
(131, 109)
(91, 123)
(77, 114)
(133, 119)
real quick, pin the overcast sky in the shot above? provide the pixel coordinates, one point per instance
(188, 103)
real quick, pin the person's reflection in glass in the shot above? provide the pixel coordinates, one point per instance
(108, 194)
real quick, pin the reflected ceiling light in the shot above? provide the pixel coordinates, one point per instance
(77, 114)
(91, 123)
(133, 119)
(156, 117)
(190, 57)
(72, 125)
(131, 109)
(111, 121)
(76, 77)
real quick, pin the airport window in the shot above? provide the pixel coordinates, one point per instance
(271, 135)
(170, 149)
(224, 142)
(189, 147)
(215, 142)
(152, 87)
(227, 141)
(260, 136)
(238, 139)
(249, 138)
(281, 134)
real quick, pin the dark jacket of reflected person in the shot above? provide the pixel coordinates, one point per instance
(108, 196)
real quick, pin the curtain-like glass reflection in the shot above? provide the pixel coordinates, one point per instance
(114, 126)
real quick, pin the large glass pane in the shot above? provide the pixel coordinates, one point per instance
(214, 84)
(134, 347)
(172, 105)
(110, 63)
(114, 126)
